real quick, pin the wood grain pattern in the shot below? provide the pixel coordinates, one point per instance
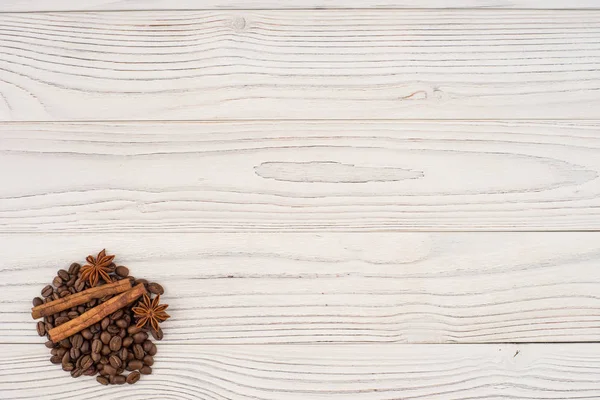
(108, 5)
(300, 176)
(361, 372)
(299, 64)
(340, 288)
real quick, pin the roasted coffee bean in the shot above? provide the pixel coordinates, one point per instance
(92, 303)
(157, 335)
(56, 359)
(86, 362)
(127, 318)
(123, 353)
(109, 370)
(54, 351)
(122, 271)
(79, 285)
(61, 320)
(61, 351)
(106, 298)
(138, 281)
(138, 351)
(64, 275)
(74, 268)
(116, 315)
(86, 347)
(127, 341)
(115, 343)
(57, 281)
(122, 333)
(87, 334)
(145, 370)
(95, 328)
(104, 360)
(62, 313)
(140, 337)
(134, 364)
(105, 323)
(130, 356)
(48, 326)
(105, 337)
(72, 290)
(147, 345)
(121, 323)
(66, 358)
(37, 301)
(49, 318)
(155, 288)
(115, 361)
(97, 346)
(91, 371)
(71, 281)
(133, 377)
(47, 291)
(65, 343)
(76, 340)
(102, 380)
(113, 329)
(105, 350)
(148, 360)
(41, 328)
(81, 310)
(74, 353)
(68, 367)
(73, 314)
(49, 344)
(132, 330)
(55, 296)
(64, 293)
(119, 380)
(76, 373)
(96, 357)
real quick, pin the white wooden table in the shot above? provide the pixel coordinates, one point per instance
(344, 199)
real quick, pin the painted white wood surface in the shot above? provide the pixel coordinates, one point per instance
(300, 176)
(375, 372)
(108, 5)
(335, 288)
(300, 64)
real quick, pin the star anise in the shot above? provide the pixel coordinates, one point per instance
(97, 268)
(150, 311)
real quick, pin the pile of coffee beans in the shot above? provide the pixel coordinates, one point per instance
(107, 349)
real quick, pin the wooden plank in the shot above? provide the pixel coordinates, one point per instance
(361, 372)
(300, 176)
(477, 64)
(342, 288)
(115, 5)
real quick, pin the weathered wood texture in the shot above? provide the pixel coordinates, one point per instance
(376, 372)
(300, 176)
(300, 64)
(340, 288)
(107, 5)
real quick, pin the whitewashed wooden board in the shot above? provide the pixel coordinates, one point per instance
(107, 5)
(335, 288)
(300, 176)
(299, 64)
(376, 372)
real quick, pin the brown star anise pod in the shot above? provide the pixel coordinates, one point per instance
(96, 268)
(150, 311)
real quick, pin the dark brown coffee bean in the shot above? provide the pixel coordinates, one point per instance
(116, 315)
(102, 380)
(37, 301)
(157, 335)
(72, 290)
(86, 347)
(132, 330)
(104, 360)
(123, 353)
(55, 296)
(56, 359)
(130, 356)
(76, 373)
(147, 345)
(41, 328)
(152, 350)
(121, 323)
(133, 377)
(64, 275)
(71, 282)
(138, 351)
(68, 367)
(92, 303)
(49, 344)
(96, 357)
(113, 329)
(86, 362)
(47, 291)
(105, 323)
(91, 371)
(61, 351)
(74, 268)
(66, 358)
(115, 361)
(149, 360)
(138, 281)
(76, 340)
(57, 281)
(79, 285)
(105, 350)
(155, 288)
(106, 298)
(145, 370)
(115, 343)
(119, 380)
(109, 370)
(122, 271)
(81, 310)
(127, 318)
(48, 326)
(134, 364)
(87, 334)
(140, 337)
(122, 333)
(127, 341)
(97, 346)
(49, 318)
(65, 343)
(54, 351)
(95, 328)
(73, 314)
(105, 337)
(74, 353)
(64, 293)
(62, 314)
(61, 320)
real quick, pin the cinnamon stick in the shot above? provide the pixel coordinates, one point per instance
(76, 299)
(96, 314)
